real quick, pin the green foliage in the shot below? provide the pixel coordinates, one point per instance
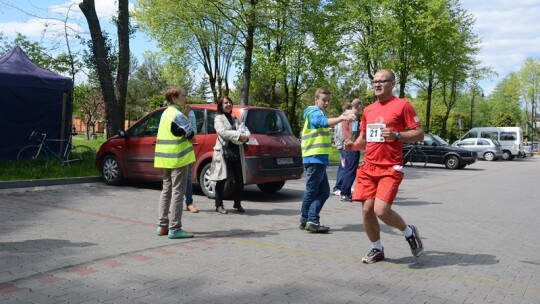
(14, 170)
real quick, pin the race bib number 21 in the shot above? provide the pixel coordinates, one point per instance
(374, 132)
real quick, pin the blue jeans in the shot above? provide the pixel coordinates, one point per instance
(317, 192)
(352, 159)
(341, 168)
(189, 188)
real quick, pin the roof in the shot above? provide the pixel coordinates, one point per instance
(17, 70)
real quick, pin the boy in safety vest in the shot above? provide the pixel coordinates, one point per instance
(316, 147)
(174, 153)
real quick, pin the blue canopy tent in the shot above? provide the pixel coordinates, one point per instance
(31, 99)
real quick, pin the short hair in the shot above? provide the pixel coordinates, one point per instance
(356, 103)
(322, 91)
(220, 103)
(172, 92)
(346, 106)
(390, 72)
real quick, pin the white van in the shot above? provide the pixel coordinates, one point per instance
(510, 138)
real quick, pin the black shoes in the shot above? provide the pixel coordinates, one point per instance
(417, 248)
(346, 198)
(239, 208)
(316, 228)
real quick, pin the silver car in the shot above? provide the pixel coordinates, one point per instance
(488, 149)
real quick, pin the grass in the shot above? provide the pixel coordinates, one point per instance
(334, 155)
(13, 170)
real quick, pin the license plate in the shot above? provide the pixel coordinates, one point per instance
(285, 161)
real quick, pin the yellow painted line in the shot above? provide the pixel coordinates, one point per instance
(431, 273)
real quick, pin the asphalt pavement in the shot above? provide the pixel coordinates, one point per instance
(93, 243)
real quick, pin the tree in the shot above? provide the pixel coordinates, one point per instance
(192, 32)
(114, 105)
(88, 102)
(529, 76)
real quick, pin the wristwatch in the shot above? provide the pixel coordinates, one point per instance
(398, 136)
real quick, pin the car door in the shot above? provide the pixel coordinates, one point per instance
(140, 148)
(432, 150)
(469, 143)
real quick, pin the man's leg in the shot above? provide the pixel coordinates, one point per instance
(349, 174)
(320, 198)
(189, 193)
(387, 190)
(179, 179)
(320, 192)
(312, 189)
(339, 175)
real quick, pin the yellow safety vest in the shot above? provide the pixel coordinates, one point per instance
(171, 151)
(315, 141)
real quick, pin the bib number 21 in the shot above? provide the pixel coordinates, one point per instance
(374, 132)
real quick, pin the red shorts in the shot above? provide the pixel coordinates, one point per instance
(377, 182)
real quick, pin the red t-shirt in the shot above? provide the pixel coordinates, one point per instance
(398, 114)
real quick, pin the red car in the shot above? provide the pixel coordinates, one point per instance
(273, 155)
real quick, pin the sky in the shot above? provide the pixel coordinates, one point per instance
(509, 30)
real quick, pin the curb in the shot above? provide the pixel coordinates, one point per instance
(49, 182)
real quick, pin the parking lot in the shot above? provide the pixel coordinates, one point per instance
(93, 243)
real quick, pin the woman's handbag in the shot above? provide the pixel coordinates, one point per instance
(229, 154)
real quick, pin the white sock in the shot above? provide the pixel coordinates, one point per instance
(407, 232)
(377, 245)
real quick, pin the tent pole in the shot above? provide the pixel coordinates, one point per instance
(63, 130)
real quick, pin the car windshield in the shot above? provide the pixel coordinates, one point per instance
(267, 121)
(439, 140)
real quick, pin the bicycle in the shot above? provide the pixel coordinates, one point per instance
(415, 157)
(39, 153)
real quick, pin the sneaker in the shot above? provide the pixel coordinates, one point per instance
(337, 192)
(180, 234)
(316, 228)
(373, 256)
(162, 230)
(346, 198)
(417, 248)
(302, 226)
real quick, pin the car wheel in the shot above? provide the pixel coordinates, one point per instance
(506, 155)
(489, 156)
(452, 162)
(271, 187)
(111, 171)
(208, 187)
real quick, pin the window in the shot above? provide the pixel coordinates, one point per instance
(467, 142)
(472, 134)
(210, 115)
(199, 118)
(489, 134)
(508, 136)
(261, 121)
(149, 127)
(483, 142)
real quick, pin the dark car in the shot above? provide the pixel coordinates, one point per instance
(273, 156)
(438, 151)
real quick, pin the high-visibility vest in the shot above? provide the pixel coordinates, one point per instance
(315, 141)
(171, 151)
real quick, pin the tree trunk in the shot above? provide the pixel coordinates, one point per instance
(122, 75)
(246, 72)
(103, 67)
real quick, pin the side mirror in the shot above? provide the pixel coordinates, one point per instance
(122, 133)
